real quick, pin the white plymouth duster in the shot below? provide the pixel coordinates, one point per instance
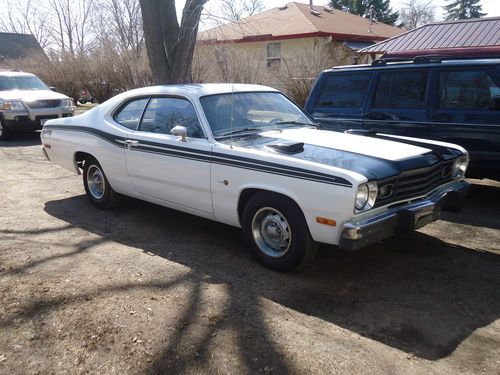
(247, 156)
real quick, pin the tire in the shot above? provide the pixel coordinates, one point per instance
(276, 232)
(98, 190)
(4, 132)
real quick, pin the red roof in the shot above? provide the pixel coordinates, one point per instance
(473, 37)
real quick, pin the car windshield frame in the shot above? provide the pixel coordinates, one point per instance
(8, 83)
(246, 126)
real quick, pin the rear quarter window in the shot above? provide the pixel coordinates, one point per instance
(130, 113)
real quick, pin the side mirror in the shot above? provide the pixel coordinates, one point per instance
(495, 103)
(179, 131)
(53, 88)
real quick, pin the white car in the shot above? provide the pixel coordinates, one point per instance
(247, 156)
(26, 103)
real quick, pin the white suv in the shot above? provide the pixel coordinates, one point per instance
(26, 102)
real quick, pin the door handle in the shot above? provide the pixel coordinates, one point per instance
(130, 143)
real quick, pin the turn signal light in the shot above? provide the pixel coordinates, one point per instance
(326, 221)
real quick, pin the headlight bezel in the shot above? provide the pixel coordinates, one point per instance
(366, 196)
(12, 106)
(460, 167)
(68, 103)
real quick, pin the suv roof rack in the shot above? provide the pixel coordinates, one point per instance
(426, 59)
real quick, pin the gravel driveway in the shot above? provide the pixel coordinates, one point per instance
(144, 289)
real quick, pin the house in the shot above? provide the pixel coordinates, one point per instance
(286, 32)
(474, 37)
(19, 46)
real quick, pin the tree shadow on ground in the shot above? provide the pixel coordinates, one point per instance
(422, 296)
(22, 139)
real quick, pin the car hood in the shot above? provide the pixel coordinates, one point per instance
(375, 157)
(30, 95)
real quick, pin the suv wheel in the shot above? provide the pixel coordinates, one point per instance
(4, 132)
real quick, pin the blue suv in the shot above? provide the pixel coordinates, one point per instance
(449, 100)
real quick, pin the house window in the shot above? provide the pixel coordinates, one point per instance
(274, 55)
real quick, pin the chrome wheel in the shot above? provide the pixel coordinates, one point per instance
(95, 182)
(271, 232)
(1, 129)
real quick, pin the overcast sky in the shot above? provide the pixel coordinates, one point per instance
(492, 7)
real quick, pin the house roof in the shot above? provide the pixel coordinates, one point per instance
(16, 46)
(297, 21)
(474, 37)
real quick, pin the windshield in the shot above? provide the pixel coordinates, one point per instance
(251, 111)
(22, 83)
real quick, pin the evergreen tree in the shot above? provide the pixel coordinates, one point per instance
(382, 9)
(463, 10)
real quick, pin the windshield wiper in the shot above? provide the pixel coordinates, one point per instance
(297, 123)
(238, 131)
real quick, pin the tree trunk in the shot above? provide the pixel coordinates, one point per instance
(170, 46)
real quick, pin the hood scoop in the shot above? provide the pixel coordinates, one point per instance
(287, 147)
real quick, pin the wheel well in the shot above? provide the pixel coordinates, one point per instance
(247, 194)
(80, 158)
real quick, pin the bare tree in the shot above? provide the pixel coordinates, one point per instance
(24, 17)
(71, 24)
(120, 21)
(416, 13)
(170, 45)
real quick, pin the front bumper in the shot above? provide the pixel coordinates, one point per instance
(31, 120)
(401, 219)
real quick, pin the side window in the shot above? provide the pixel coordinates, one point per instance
(344, 90)
(403, 89)
(130, 115)
(466, 89)
(162, 114)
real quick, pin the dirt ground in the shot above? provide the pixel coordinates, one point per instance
(144, 289)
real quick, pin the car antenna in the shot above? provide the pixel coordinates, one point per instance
(232, 115)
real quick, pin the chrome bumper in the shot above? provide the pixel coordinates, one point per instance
(401, 219)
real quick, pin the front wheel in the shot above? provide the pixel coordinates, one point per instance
(4, 132)
(97, 187)
(276, 232)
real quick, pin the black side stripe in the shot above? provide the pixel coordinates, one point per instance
(210, 157)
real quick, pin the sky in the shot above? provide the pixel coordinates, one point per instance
(492, 7)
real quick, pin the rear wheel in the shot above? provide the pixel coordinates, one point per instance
(99, 191)
(276, 232)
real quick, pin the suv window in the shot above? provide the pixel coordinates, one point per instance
(344, 90)
(403, 89)
(162, 114)
(130, 115)
(466, 89)
(22, 83)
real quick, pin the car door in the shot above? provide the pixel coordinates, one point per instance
(465, 113)
(163, 166)
(338, 104)
(398, 103)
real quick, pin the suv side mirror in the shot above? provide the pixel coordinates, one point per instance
(495, 103)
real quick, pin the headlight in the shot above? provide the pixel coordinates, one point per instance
(68, 103)
(460, 166)
(365, 196)
(12, 105)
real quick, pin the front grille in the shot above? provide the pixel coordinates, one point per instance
(415, 183)
(46, 103)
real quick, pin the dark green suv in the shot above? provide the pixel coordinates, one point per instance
(449, 100)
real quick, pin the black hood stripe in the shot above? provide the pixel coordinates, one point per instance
(210, 157)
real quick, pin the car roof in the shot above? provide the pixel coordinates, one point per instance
(200, 89)
(14, 73)
(385, 64)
